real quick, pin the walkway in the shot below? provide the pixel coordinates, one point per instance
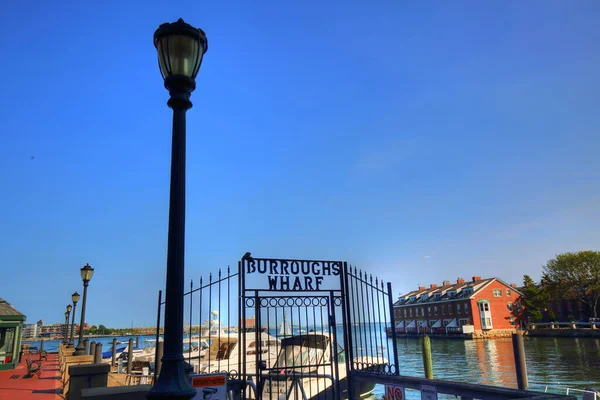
(15, 385)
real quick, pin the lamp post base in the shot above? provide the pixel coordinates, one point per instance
(172, 382)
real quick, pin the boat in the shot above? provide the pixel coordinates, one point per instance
(285, 329)
(304, 367)
(303, 361)
(122, 352)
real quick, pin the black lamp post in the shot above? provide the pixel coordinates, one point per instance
(66, 327)
(86, 275)
(75, 298)
(180, 49)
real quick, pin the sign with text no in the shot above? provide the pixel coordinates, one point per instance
(394, 392)
(210, 386)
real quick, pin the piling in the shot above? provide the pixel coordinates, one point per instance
(158, 360)
(520, 366)
(98, 353)
(92, 348)
(114, 352)
(130, 356)
(86, 342)
(41, 344)
(137, 342)
(427, 362)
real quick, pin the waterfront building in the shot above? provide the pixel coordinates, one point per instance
(11, 326)
(478, 307)
(30, 331)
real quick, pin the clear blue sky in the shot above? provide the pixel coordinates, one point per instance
(419, 141)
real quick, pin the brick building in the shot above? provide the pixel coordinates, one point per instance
(463, 307)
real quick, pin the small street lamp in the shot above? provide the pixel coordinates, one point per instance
(86, 276)
(180, 49)
(75, 298)
(66, 327)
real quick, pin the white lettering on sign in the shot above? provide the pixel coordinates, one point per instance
(393, 392)
(428, 392)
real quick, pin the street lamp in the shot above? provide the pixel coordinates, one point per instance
(66, 327)
(75, 298)
(180, 49)
(86, 276)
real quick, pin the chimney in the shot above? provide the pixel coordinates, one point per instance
(459, 281)
(421, 287)
(446, 283)
(433, 286)
(476, 278)
(513, 285)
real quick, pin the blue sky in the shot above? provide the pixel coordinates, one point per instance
(421, 141)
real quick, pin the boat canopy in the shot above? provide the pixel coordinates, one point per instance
(437, 324)
(422, 323)
(316, 341)
(400, 325)
(411, 324)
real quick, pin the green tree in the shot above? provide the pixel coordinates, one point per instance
(535, 300)
(576, 274)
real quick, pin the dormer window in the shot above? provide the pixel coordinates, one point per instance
(413, 298)
(452, 293)
(424, 297)
(437, 296)
(468, 291)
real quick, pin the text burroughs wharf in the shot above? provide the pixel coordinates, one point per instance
(294, 275)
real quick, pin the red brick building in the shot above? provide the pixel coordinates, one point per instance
(463, 307)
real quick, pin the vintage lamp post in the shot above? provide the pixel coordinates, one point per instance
(75, 298)
(180, 49)
(66, 329)
(86, 276)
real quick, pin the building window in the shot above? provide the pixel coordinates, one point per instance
(429, 309)
(497, 293)
(466, 307)
(405, 313)
(446, 323)
(435, 310)
(410, 312)
(423, 311)
(508, 292)
(458, 308)
(444, 309)
(463, 321)
(484, 306)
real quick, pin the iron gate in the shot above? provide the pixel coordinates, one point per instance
(291, 329)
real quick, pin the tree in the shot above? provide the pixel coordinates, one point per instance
(576, 274)
(535, 300)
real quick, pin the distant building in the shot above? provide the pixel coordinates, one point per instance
(30, 331)
(476, 306)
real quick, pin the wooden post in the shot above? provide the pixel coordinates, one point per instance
(92, 348)
(41, 344)
(130, 355)
(427, 362)
(86, 342)
(520, 366)
(114, 352)
(98, 353)
(158, 359)
(137, 342)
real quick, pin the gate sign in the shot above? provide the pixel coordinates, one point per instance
(428, 392)
(394, 392)
(210, 386)
(291, 275)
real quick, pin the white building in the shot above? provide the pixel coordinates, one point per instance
(30, 330)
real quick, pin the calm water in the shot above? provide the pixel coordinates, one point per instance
(550, 361)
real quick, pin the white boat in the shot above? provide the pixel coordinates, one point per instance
(285, 329)
(122, 352)
(305, 367)
(288, 367)
(192, 349)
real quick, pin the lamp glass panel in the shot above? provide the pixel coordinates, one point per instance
(86, 273)
(75, 297)
(183, 55)
(163, 56)
(69, 308)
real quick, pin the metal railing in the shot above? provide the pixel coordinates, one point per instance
(462, 390)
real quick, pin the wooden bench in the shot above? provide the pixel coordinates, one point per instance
(33, 367)
(43, 355)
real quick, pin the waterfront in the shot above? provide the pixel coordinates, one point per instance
(571, 362)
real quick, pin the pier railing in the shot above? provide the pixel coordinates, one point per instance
(464, 391)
